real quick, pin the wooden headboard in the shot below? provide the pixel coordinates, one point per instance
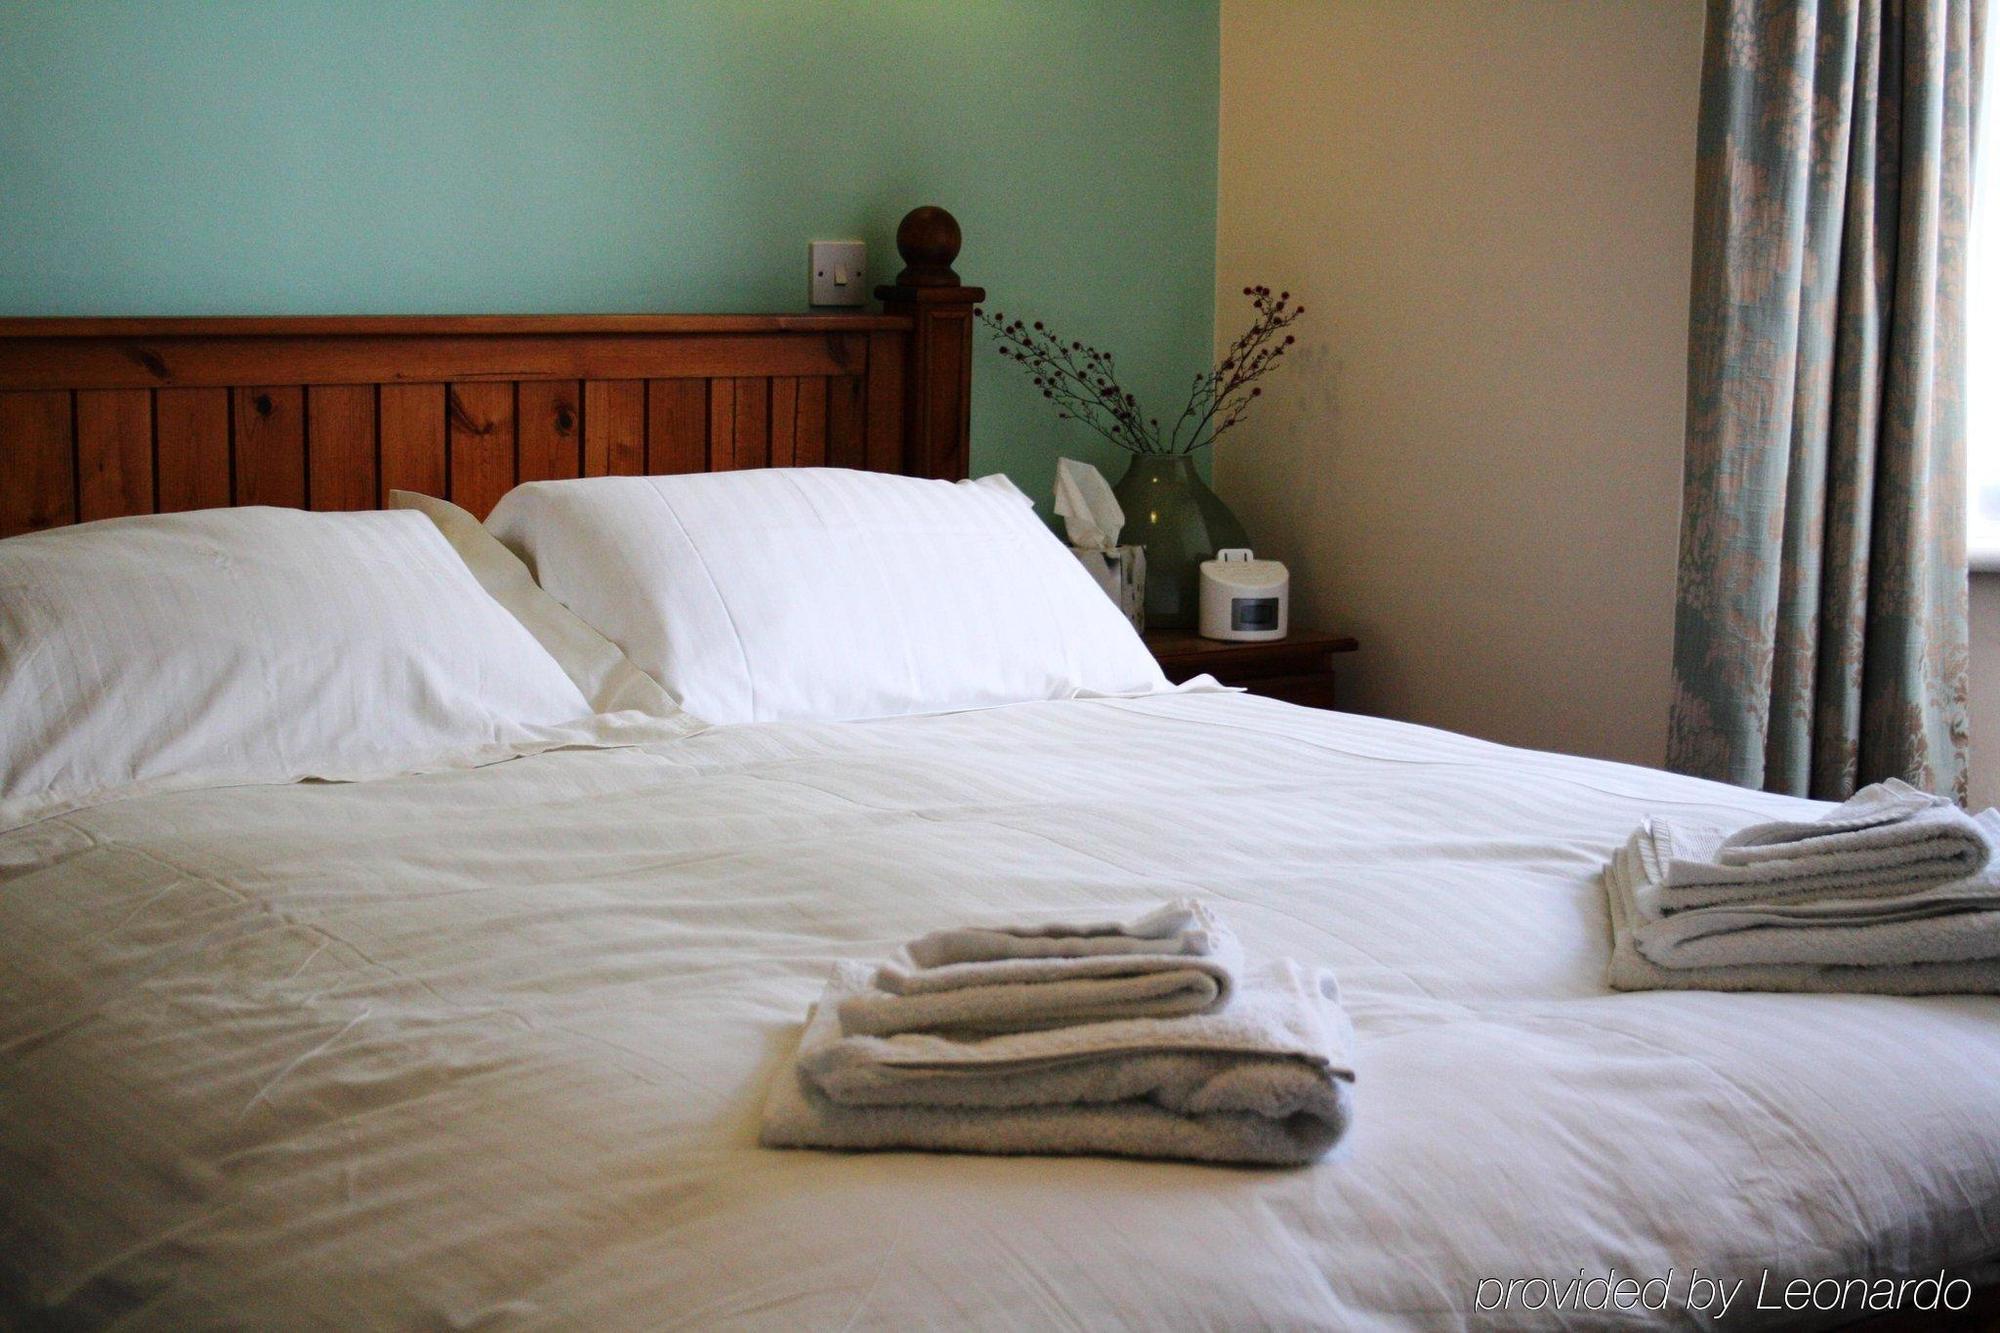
(106, 417)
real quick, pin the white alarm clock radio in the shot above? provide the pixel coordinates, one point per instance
(1243, 598)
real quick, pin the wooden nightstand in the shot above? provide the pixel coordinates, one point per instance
(1297, 668)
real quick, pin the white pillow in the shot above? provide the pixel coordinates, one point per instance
(233, 646)
(819, 593)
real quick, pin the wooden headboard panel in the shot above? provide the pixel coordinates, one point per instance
(107, 417)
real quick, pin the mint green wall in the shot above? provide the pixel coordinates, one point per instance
(340, 156)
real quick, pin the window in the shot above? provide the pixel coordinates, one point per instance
(1982, 348)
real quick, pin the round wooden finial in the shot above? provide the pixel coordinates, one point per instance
(928, 241)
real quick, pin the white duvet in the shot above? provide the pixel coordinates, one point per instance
(486, 1049)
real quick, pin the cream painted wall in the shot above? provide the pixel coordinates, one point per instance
(1474, 463)
(1983, 705)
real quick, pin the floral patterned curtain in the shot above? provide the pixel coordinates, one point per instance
(1820, 636)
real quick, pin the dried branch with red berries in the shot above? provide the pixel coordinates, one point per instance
(1082, 382)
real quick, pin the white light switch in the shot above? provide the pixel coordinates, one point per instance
(839, 272)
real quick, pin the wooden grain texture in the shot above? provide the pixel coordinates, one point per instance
(191, 449)
(411, 417)
(550, 434)
(721, 425)
(191, 413)
(937, 390)
(37, 462)
(750, 440)
(1182, 653)
(809, 427)
(845, 414)
(116, 363)
(114, 453)
(883, 449)
(74, 327)
(1297, 668)
(677, 426)
(614, 428)
(269, 444)
(340, 446)
(480, 419)
(784, 422)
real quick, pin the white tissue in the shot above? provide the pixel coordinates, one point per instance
(1093, 519)
(1089, 510)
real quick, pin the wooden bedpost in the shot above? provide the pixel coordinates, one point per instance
(937, 378)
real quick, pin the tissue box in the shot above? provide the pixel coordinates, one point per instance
(1121, 572)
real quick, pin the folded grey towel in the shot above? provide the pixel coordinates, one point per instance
(1022, 994)
(1017, 995)
(1182, 927)
(1266, 1080)
(1887, 840)
(1769, 959)
(1874, 806)
(1682, 858)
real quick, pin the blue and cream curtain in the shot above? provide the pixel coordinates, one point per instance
(1820, 637)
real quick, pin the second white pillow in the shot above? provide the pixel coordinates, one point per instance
(824, 594)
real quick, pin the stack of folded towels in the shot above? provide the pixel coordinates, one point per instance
(1146, 1038)
(1893, 892)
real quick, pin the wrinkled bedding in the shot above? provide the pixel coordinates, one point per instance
(486, 1048)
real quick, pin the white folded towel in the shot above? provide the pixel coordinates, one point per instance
(1181, 927)
(1022, 994)
(1888, 839)
(1871, 959)
(1265, 1080)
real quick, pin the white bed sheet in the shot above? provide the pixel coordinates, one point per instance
(487, 1048)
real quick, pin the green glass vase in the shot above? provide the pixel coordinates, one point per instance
(1172, 513)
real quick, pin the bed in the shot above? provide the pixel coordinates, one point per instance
(486, 1047)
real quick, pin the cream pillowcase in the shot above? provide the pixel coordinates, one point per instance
(256, 645)
(825, 594)
(607, 677)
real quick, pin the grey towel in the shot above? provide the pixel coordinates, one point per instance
(1873, 807)
(1182, 927)
(1266, 1080)
(1889, 839)
(1769, 959)
(1023, 994)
